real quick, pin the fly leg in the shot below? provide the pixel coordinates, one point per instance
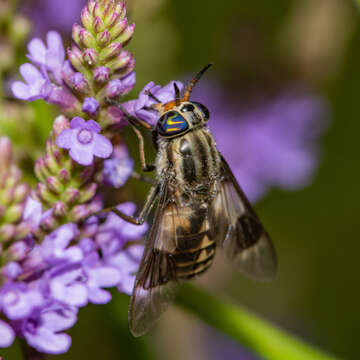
(143, 178)
(133, 121)
(144, 213)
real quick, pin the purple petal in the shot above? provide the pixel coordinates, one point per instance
(63, 288)
(65, 139)
(129, 106)
(150, 116)
(44, 340)
(87, 245)
(17, 302)
(102, 147)
(32, 212)
(37, 51)
(59, 318)
(93, 126)
(77, 122)
(12, 270)
(7, 335)
(82, 154)
(104, 276)
(55, 45)
(30, 73)
(99, 296)
(21, 90)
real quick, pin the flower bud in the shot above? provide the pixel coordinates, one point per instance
(91, 6)
(98, 9)
(18, 250)
(87, 39)
(51, 163)
(121, 9)
(22, 230)
(101, 74)
(64, 176)
(103, 38)
(71, 196)
(79, 213)
(118, 28)
(88, 193)
(76, 30)
(112, 19)
(78, 83)
(126, 35)
(20, 193)
(40, 170)
(110, 51)
(13, 213)
(54, 185)
(90, 57)
(7, 232)
(120, 62)
(60, 124)
(98, 25)
(59, 209)
(76, 58)
(86, 18)
(45, 194)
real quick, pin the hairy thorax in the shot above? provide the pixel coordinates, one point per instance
(191, 162)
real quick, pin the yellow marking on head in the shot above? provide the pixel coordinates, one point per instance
(173, 129)
(171, 122)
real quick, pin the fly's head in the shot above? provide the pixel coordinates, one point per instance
(179, 119)
(181, 115)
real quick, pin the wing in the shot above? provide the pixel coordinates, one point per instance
(156, 284)
(239, 231)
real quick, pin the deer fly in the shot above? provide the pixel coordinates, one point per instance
(200, 207)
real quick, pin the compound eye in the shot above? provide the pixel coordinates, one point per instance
(187, 108)
(172, 123)
(203, 109)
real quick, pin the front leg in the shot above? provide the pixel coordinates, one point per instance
(133, 121)
(149, 204)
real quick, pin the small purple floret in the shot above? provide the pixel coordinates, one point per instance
(118, 168)
(102, 74)
(84, 141)
(36, 86)
(51, 56)
(90, 106)
(122, 86)
(43, 331)
(140, 108)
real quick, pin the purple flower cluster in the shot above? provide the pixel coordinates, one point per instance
(43, 78)
(44, 288)
(57, 259)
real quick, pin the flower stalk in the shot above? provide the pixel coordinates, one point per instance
(250, 330)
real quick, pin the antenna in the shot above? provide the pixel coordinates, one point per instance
(194, 81)
(177, 94)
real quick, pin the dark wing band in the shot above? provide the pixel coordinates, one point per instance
(239, 231)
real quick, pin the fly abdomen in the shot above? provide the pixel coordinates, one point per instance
(192, 262)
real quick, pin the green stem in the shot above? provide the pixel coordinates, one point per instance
(260, 336)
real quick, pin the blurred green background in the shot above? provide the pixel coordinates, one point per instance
(259, 47)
